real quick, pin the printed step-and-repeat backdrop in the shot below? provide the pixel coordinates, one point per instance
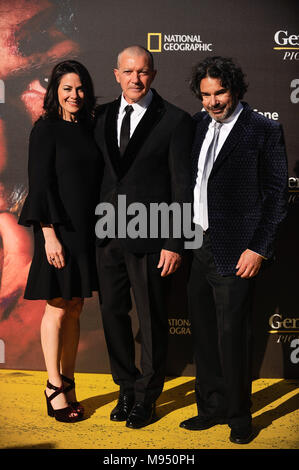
(263, 37)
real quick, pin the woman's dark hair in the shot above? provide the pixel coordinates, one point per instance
(51, 103)
(230, 75)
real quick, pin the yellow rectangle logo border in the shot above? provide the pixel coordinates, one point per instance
(149, 36)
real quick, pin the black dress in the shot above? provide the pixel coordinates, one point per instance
(64, 182)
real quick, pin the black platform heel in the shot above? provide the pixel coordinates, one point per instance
(75, 404)
(63, 414)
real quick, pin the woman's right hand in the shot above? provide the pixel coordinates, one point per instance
(53, 247)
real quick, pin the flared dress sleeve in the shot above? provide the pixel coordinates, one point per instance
(42, 203)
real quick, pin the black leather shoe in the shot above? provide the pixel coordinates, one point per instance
(123, 408)
(242, 435)
(141, 415)
(199, 423)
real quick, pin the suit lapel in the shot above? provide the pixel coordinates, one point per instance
(151, 117)
(111, 135)
(233, 138)
(142, 132)
(200, 134)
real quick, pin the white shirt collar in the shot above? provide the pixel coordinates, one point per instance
(140, 105)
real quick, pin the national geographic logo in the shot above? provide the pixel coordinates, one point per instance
(287, 43)
(158, 42)
(179, 326)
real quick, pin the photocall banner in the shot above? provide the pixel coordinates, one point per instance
(263, 37)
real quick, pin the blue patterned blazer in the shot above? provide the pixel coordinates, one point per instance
(247, 188)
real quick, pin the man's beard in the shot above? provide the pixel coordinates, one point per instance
(227, 112)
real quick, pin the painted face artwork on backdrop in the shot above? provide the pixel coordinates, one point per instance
(34, 35)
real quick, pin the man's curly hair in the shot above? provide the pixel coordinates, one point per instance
(229, 74)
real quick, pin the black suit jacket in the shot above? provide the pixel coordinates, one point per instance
(247, 188)
(155, 167)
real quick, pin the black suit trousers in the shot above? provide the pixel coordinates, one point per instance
(220, 310)
(120, 271)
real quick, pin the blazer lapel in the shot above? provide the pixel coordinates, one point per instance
(233, 138)
(200, 134)
(151, 117)
(142, 132)
(111, 135)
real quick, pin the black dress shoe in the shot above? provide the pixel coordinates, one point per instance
(123, 407)
(141, 415)
(242, 435)
(199, 423)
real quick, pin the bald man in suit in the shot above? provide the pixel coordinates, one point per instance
(146, 144)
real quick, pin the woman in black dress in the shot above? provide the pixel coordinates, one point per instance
(64, 175)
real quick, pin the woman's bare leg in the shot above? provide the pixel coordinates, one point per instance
(51, 340)
(70, 341)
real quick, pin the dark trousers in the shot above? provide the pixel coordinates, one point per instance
(220, 310)
(118, 272)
